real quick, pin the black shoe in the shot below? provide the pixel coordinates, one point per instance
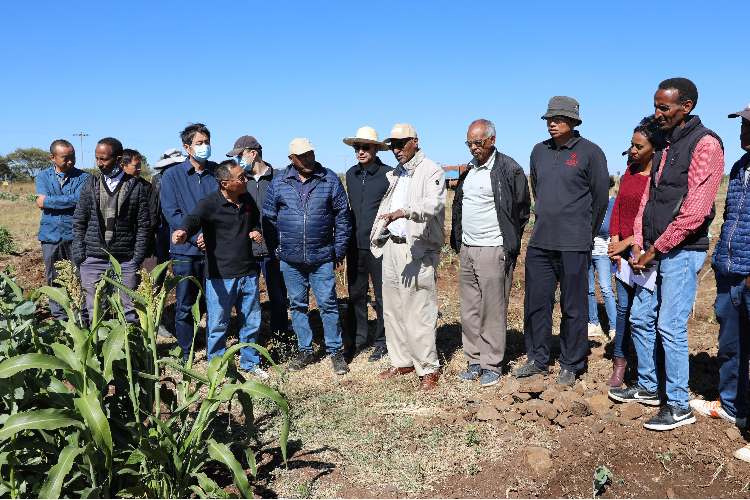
(529, 369)
(378, 353)
(635, 393)
(303, 359)
(339, 364)
(670, 417)
(566, 378)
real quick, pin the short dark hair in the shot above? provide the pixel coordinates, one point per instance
(611, 181)
(686, 90)
(653, 133)
(114, 144)
(190, 131)
(128, 155)
(60, 143)
(223, 171)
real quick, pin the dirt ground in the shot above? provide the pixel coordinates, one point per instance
(357, 437)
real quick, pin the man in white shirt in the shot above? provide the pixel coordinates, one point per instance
(490, 209)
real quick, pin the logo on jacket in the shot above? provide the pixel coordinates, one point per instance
(573, 160)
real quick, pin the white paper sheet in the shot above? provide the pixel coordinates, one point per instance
(647, 279)
(625, 273)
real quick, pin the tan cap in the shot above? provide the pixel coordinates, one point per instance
(366, 135)
(300, 146)
(402, 131)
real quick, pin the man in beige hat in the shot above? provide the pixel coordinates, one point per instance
(306, 224)
(366, 184)
(409, 233)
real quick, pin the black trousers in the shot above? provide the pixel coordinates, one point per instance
(361, 265)
(544, 270)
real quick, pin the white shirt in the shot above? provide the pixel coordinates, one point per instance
(478, 216)
(113, 182)
(398, 200)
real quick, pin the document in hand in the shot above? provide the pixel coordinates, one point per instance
(647, 278)
(625, 273)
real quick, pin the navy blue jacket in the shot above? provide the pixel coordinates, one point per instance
(181, 190)
(732, 253)
(59, 204)
(315, 233)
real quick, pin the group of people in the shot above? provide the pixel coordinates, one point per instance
(224, 224)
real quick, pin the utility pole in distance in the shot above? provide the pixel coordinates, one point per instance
(345, 158)
(81, 135)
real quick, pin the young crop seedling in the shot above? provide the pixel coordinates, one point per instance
(601, 475)
(667, 457)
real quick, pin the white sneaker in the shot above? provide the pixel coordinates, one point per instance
(612, 334)
(743, 453)
(260, 373)
(713, 409)
(595, 330)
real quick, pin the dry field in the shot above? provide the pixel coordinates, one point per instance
(355, 436)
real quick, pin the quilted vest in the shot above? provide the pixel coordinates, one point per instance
(732, 253)
(668, 194)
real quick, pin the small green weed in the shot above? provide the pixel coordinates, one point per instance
(304, 490)
(601, 476)
(6, 241)
(474, 469)
(667, 457)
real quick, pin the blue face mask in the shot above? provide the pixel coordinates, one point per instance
(244, 164)
(202, 153)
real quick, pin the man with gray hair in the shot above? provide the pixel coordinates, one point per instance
(409, 232)
(490, 209)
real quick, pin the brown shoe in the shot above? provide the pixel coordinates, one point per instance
(429, 381)
(393, 371)
(618, 372)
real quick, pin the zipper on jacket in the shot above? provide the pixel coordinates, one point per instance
(361, 199)
(737, 220)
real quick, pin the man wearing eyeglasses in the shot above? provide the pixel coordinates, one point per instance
(366, 184)
(230, 222)
(570, 183)
(490, 209)
(409, 233)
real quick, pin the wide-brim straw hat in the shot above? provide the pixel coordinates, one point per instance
(366, 135)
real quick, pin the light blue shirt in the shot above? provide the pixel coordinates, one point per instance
(479, 217)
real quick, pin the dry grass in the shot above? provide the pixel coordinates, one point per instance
(21, 218)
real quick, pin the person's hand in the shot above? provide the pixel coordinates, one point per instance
(392, 217)
(201, 243)
(641, 261)
(256, 236)
(40, 201)
(179, 237)
(616, 248)
(747, 282)
(616, 260)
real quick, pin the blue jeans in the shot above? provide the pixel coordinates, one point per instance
(276, 295)
(625, 296)
(299, 279)
(604, 270)
(185, 296)
(732, 309)
(221, 296)
(665, 312)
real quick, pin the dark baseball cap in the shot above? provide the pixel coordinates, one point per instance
(562, 106)
(243, 143)
(745, 113)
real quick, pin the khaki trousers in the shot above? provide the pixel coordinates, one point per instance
(484, 290)
(410, 309)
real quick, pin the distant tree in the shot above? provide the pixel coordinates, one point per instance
(145, 167)
(26, 163)
(5, 171)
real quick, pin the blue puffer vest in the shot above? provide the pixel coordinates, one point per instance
(732, 253)
(315, 233)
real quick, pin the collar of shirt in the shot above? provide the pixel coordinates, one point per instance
(207, 169)
(370, 171)
(568, 145)
(317, 172)
(114, 181)
(487, 164)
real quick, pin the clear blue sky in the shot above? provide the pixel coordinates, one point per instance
(141, 71)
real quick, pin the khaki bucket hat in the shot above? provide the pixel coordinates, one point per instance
(366, 135)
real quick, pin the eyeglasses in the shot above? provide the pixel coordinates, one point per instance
(400, 143)
(557, 119)
(240, 178)
(478, 144)
(363, 147)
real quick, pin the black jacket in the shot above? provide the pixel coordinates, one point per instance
(365, 202)
(132, 230)
(257, 190)
(512, 204)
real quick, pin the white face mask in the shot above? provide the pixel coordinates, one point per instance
(202, 153)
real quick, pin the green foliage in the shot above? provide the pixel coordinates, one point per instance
(7, 195)
(601, 476)
(26, 163)
(664, 458)
(6, 241)
(81, 408)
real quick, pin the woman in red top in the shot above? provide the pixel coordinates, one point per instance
(647, 138)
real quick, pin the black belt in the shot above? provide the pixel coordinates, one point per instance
(397, 239)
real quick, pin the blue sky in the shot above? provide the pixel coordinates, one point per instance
(141, 71)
